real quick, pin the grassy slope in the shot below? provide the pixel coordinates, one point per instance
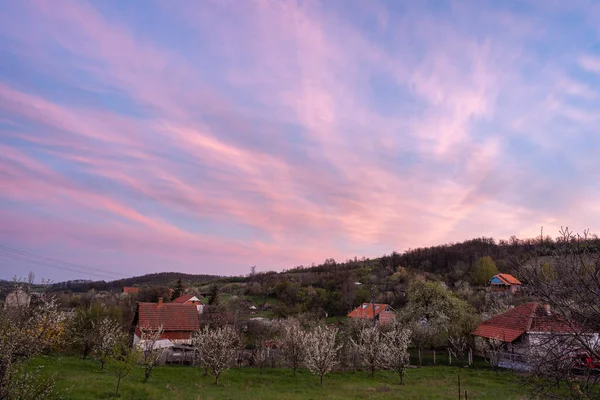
(83, 380)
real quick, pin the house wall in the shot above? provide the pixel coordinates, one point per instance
(173, 336)
(519, 346)
(17, 298)
(177, 336)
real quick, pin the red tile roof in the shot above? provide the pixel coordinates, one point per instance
(530, 317)
(508, 279)
(368, 310)
(183, 298)
(131, 290)
(172, 316)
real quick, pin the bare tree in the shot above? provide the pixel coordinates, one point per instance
(219, 348)
(396, 355)
(294, 343)
(122, 361)
(568, 284)
(30, 278)
(151, 351)
(371, 347)
(259, 335)
(321, 350)
(107, 335)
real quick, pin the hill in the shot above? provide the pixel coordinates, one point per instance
(158, 279)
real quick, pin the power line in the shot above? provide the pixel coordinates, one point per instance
(5, 255)
(55, 260)
(33, 258)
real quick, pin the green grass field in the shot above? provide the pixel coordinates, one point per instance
(82, 379)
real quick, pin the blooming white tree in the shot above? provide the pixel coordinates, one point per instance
(82, 327)
(458, 347)
(199, 340)
(321, 350)
(294, 344)
(370, 347)
(151, 351)
(107, 333)
(218, 348)
(260, 355)
(25, 331)
(423, 334)
(490, 349)
(396, 354)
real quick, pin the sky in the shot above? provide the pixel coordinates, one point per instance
(209, 136)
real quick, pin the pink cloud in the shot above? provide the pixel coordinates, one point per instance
(332, 177)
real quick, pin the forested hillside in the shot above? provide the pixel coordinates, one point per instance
(333, 288)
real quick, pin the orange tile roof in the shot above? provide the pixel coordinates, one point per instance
(131, 290)
(172, 316)
(529, 317)
(370, 311)
(509, 279)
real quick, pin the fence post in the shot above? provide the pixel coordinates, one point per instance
(433, 356)
(449, 357)
(470, 357)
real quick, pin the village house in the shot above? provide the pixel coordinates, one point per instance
(178, 320)
(504, 283)
(131, 290)
(191, 299)
(524, 330)
(378, 313)
(17, 298)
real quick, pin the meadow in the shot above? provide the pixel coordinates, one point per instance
(82, 379)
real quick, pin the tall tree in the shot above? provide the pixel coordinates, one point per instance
(434, 314)
(484, 269)
(213, 295)
(178, 291)
(82, 328)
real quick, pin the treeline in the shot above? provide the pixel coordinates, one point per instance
(161, 279)
(334, 288)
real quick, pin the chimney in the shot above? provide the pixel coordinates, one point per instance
(160, 300)
(547, 308)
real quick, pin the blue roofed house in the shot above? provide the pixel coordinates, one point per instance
(504, 283)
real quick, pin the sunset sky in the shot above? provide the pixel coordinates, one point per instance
(207, 136)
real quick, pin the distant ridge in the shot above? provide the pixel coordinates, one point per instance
(155, 279)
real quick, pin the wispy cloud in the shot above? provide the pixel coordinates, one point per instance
(279, 133)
